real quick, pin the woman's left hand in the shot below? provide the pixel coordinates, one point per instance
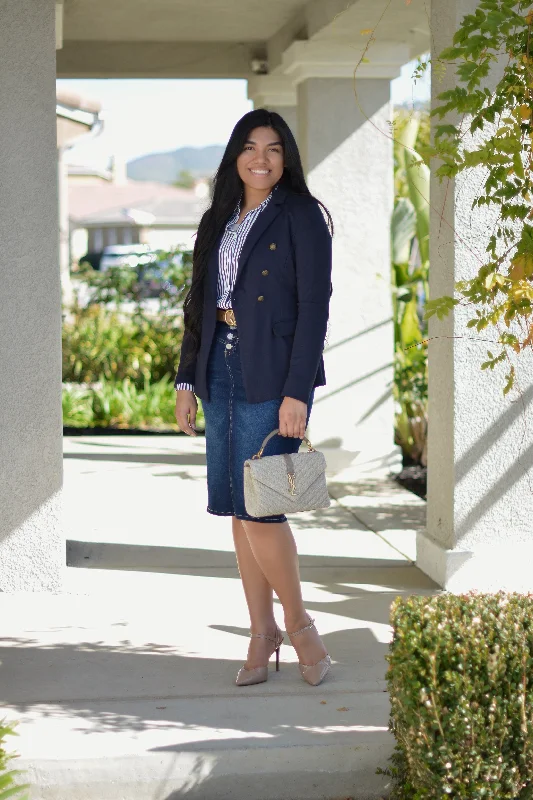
(292, 418)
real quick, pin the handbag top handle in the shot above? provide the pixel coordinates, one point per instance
(310, 448)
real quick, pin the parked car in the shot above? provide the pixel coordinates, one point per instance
(150, 265)
(130, 255)
(154, 276)
(92, 258)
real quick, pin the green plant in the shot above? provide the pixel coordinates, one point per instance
(127, 283)
(103, 343)
(460, 680)
(121, 404)
(122, 350)
(185, 179)
(114, 334)
(77, 406)
(410, 266)
(410, 392)
(8, 785)
(503, 286)
(498, 31)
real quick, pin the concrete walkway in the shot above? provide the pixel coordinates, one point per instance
(124, 686)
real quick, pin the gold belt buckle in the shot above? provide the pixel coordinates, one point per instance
(229, 318)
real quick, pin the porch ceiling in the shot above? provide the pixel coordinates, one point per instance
(218, 38)
(177, 20)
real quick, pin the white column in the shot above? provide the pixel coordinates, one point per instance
(31, 543)
(64, 227)
(277, 93)
(349, 164)
(290, 115)
(480, 447)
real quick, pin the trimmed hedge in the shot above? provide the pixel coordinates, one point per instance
(460, 680)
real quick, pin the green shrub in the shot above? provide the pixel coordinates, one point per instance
(410, 392)
(120, 354)
(8, 784)
(409, 285)
(110, 331)
(460, 680)
(121, 404)
(127, 283)
(101, 343)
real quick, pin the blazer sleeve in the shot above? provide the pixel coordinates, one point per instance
(185, 373)
(312, 248)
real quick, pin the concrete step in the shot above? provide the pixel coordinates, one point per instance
(320, 744)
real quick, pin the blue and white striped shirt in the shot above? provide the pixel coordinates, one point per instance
(228, 257)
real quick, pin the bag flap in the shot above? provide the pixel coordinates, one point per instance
(272, 471)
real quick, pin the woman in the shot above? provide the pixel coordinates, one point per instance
(255, 323)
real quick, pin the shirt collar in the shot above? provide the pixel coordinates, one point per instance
(260, 207)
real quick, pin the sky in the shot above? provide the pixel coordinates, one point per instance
(153, 116)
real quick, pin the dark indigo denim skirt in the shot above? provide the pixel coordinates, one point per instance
(235, 428)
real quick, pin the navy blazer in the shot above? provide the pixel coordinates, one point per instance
(280, 299)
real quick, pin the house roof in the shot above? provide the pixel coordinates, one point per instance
(120, 204)
(94, 172)
(77, 101)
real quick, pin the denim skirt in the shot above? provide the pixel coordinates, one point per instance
(235, 428)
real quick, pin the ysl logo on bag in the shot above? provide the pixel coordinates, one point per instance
(270, 482)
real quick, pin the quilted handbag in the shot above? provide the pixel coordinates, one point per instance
(286, 483)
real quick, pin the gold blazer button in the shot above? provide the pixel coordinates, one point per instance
(265, 272)
(273, 246)
(260, 298)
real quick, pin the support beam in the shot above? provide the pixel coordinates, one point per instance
(32, 550)
(480, 447)
(290, 115)
(90, 59)
(59, 24)
(304, 60)
(339, 23)
(277, 93)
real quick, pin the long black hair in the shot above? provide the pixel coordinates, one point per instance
(227, 190)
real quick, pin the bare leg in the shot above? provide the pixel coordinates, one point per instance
(259, 597)
(275, 552)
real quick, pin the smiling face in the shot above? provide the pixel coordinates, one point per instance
(260, 165)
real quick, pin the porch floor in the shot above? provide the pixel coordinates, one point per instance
(123, 685)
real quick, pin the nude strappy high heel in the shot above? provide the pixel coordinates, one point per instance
(313, 674)
(248, 677)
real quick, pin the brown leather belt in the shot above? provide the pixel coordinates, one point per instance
(226, 315)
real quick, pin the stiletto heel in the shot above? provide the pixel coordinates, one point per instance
(313, 674)
(249, 677)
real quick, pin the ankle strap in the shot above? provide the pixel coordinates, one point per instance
(275, 639)
(306, 628)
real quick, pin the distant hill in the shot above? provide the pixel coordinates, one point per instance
(165, 167)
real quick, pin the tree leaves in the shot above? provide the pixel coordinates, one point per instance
(521, 267)
(441, 306)
(502, 153)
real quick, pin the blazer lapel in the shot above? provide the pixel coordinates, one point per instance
(262, 222)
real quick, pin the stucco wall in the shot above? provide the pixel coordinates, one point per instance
(31, 546)
(349, 164)
(480, 447)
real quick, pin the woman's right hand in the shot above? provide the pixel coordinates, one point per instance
(186, 408)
